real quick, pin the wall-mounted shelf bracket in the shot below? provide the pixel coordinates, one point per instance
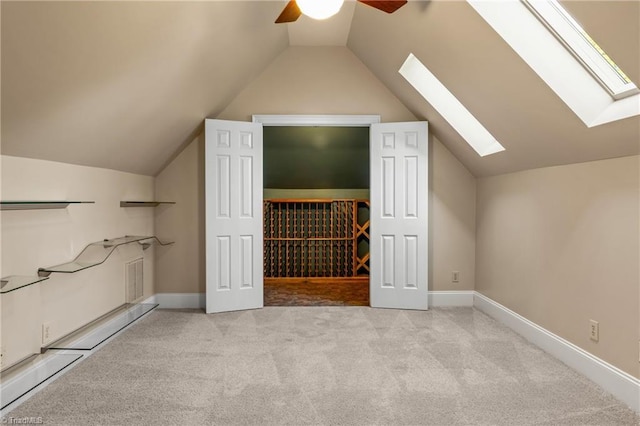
(38, 205)
(144, 203)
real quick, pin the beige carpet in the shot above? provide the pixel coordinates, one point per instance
(323, 365)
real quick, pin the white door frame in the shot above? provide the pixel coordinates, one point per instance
(317, 120)
(320, 120)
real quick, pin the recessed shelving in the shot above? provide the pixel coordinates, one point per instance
(15, 282)
(144, 203)
(38, 205)
(97, 253)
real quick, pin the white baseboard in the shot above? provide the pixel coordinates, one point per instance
(178, 300)
(450, 298)
(622, 385)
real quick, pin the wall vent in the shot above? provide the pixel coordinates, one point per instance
(134, 280)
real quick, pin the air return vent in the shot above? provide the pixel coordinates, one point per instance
(134, 280)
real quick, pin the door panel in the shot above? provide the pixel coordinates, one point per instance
(233, 188)
(399, 208)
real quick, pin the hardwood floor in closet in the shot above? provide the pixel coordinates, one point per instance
(316, 292)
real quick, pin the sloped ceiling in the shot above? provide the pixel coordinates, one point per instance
(125, 85)
(495, 84)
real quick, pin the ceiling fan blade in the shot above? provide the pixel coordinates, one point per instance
(388, 6)
(290, 13)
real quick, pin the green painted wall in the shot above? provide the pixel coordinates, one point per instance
(317, 158)
(362, 194)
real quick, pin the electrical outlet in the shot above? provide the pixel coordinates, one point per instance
(46, 332)
(455, 277)
(595, 330)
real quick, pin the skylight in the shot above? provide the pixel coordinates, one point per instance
(585, 49)
(459, 117)
(565, 70)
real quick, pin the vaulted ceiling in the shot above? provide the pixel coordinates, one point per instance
(125, 85)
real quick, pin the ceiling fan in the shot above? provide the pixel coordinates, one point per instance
(295, 8)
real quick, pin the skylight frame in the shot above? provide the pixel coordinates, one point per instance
(541, 50)
(449, 107)
(582, 46)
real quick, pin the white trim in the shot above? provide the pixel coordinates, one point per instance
(575, 38)
(179, 300)
(556, 65)
(316, 120)
(24, 376)
(438, 299)
(150, 299)
(622, 385)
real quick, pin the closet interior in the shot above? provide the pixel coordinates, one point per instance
(316, 212)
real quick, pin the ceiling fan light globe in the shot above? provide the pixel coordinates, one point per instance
(320, 9)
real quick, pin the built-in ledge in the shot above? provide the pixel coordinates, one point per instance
(37, 205)
(15, 282)
(89, 337)
(42, 370)
(26, 376)
(144, 203)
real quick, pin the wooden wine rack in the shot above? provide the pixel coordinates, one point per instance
(362, 236)
(313, 238)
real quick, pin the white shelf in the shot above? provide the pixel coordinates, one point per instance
(38, 205)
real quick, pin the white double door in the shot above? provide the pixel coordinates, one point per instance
(234, 216)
